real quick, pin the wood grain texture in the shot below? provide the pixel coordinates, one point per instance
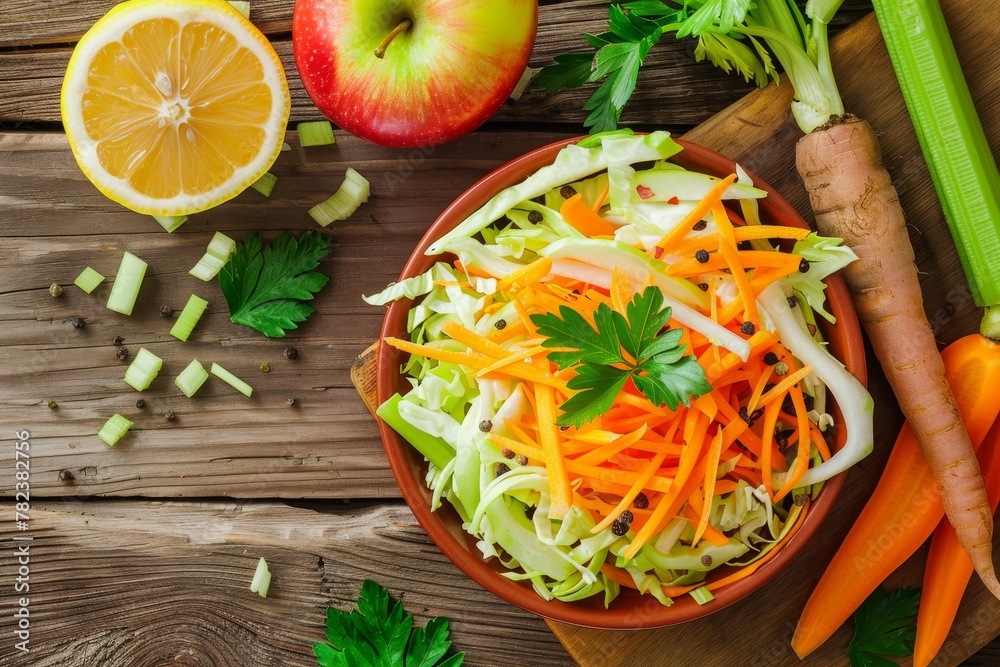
(172, 587)
(29, 89)
(53, 223)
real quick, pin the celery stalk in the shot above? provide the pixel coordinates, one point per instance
(434, 449)
(265, 184)
(191, 378)
(315, 133)
(114, 429)
(170, 222)
(950, 134)
(230, 379)
(88, 280)
(143, 370)
(351, 194)
(261, 579)
(215, 257)
(193, 310)
(127, 282)
(702, 595)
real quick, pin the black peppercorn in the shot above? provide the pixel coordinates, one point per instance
(564, 428)
(626, 517)
(500, 324)
(641, 501)
(140, 403)
(703, 287)
(792, 302)
(745, 416)
(78, 322)
(701, 256)
(507, 453)
(486, 426)
(770, 359)
(55, 289)
(748, 328)
(567, 191)
(66, 476)
(800, 499)
(529, 512)
(706, 560)
(804, 266)
(619, 528)
(535, 217)
(118, 340)
(700, 225)
(122, 353)
(290, 402)
(522, 460)
(166, 311)
(291, 353)
(170, 416)
(502, 469)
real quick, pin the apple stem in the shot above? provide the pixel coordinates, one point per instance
(405, 24)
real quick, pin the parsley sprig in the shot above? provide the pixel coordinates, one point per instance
(634, 28)
(655, 361)
(267, 288)
(380, 634)
(884, 625)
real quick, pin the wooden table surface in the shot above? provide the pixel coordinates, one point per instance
(142, 554)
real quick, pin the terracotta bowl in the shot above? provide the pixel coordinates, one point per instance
(629, 611)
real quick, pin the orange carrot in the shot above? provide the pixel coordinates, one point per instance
(555, 462)
(905, 507)
(585, 219)
(700, 210)
(948, 566)
(853, 198)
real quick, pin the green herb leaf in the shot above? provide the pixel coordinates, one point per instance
(719, 15)
(267, 289)
(661, 370)
(380, 634)
(884, 625)
(570, 70)
(572, 330)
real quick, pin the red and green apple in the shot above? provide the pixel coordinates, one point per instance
(443, 66)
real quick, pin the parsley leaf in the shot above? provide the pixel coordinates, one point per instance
(884, 625)
(661, 370)
(267, 288)
(380, 634)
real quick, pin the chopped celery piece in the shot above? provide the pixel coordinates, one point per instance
(242, 6)
(88, 280)
(951, 135)
(702, 595)
(353, 192)
(193, 310)
(316, 133)
(191, 378)
(215, 257)
(230, 379)
(170, 222)
(114, 429)
(265, 184)
(127, 282)
(261, 579)
(143, 369)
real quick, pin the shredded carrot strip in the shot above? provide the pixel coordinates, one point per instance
(782, 387)
(621, 290)
(584, 219)
(695, 512)
(519, 356)
(603, 453)
(474, 341)
(637, 486)
(517, 446)
(802, 453)
(722, 221)
(759, 389)
(511, 330)
(473, 360)
(619, 576)
(729, 251)
(820, 442)
(471, 270)
(753, 232)
(767, 439)
(527, 274)
(555, 463)
(700, 210)
(603, 196)
(522, 313)
(748, 258)
(711, 468)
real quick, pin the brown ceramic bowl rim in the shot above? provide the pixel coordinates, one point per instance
(628, 611)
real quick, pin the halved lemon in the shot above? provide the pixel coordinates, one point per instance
(174, 106)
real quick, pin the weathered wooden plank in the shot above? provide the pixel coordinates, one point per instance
(673, 91)
(53, 223)
(125, 583)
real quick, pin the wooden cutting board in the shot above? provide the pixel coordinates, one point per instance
(759, 132)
